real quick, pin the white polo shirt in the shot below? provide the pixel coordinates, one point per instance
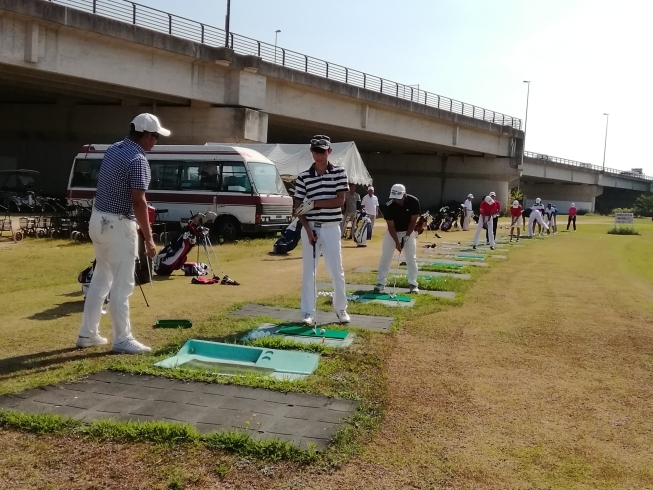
(371, 204)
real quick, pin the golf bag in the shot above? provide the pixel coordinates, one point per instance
(439, 218)
(288, 239)
(422, 223)
(363, 229)
(84, 278)
(173, 256)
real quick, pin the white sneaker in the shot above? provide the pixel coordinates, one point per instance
(308, 319)
(412, 289)
(379, 288)
(343, 316)
(84, 342)
(130, 346)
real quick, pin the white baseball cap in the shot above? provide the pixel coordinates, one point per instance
(398, 191)
(149, 123)
(470, 196)
(573, 204)
(489, 200)
(370, 188)
(493, 194)
(515, 204)
(538, 200)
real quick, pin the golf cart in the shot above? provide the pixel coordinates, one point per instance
(16, 192)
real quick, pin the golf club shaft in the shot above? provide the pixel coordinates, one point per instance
(315, 280)
(140, 285)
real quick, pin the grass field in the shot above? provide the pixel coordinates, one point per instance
(539, 376)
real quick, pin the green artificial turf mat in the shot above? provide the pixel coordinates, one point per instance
(386, 297)
(308, 332)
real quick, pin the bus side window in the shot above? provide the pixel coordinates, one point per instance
(234, 178)
(209, 176)
(165, 175)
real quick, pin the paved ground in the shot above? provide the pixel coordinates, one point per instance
(299, 418)
(327, 286)
(404, 272)
(289, 315)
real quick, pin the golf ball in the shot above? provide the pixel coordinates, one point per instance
(322, 331)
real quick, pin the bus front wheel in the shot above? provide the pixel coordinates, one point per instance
(227, 228)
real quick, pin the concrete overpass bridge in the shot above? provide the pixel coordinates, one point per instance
(76, 71)
(565, 181)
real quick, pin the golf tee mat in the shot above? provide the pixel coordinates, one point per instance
(381, 324)
(327, 286)
(428, 275)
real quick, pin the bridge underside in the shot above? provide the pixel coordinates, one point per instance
(68, 78)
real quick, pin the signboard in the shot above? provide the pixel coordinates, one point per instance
(623, 218)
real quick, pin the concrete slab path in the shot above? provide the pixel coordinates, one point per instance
(296, 417)
(289, 315)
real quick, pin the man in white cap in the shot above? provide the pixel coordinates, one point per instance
(468, 212)
(487, 209)
(319, 197)
(495, 218)
(371, 205)
(536, 217)
(400, 213)
(538, 206)
(118, 210)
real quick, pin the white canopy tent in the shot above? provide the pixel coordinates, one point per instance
(292, 159)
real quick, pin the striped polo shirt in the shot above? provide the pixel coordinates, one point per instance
(123, 168)
(313, 187)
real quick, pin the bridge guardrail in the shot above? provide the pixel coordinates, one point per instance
(157, 20)
(589, 166)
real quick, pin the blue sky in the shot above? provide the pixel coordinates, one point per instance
(583, 57)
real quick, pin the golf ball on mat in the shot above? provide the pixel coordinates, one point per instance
(322, 331)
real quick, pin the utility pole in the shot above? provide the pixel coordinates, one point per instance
(605, 145)
(528, 93)
(276, 33)
(226, 24)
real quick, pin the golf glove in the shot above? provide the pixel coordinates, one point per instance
(305, 207)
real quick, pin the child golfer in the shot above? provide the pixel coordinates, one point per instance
(516, 218)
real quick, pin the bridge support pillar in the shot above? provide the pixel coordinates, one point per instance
(437, 179)
(47, 137)
(562, 194)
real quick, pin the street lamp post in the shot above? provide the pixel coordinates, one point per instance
(226, 24)
(276, 33)
(528, 94)
(605, 145)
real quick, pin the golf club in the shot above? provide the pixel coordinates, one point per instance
(315, 282)
(140, 285)
(393, 294)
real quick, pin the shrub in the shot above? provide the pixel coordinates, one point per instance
(623, 230)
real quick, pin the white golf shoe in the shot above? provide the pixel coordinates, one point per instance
(343, 316)
(84, 342)
(130, 346)
(308, 319)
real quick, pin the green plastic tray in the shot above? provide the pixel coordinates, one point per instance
(446, 264)
(308, 332)
(174, 323)
(386, 297)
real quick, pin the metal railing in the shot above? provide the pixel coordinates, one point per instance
(597, 168)
(157, 20)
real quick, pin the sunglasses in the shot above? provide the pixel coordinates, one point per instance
(155, 135)
(318, 150)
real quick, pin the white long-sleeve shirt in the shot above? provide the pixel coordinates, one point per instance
(371, 204)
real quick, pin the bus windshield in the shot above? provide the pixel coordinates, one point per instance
(267, 179)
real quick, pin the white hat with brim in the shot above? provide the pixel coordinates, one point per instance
(149, 123)
(398, 191)
(469, 196)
